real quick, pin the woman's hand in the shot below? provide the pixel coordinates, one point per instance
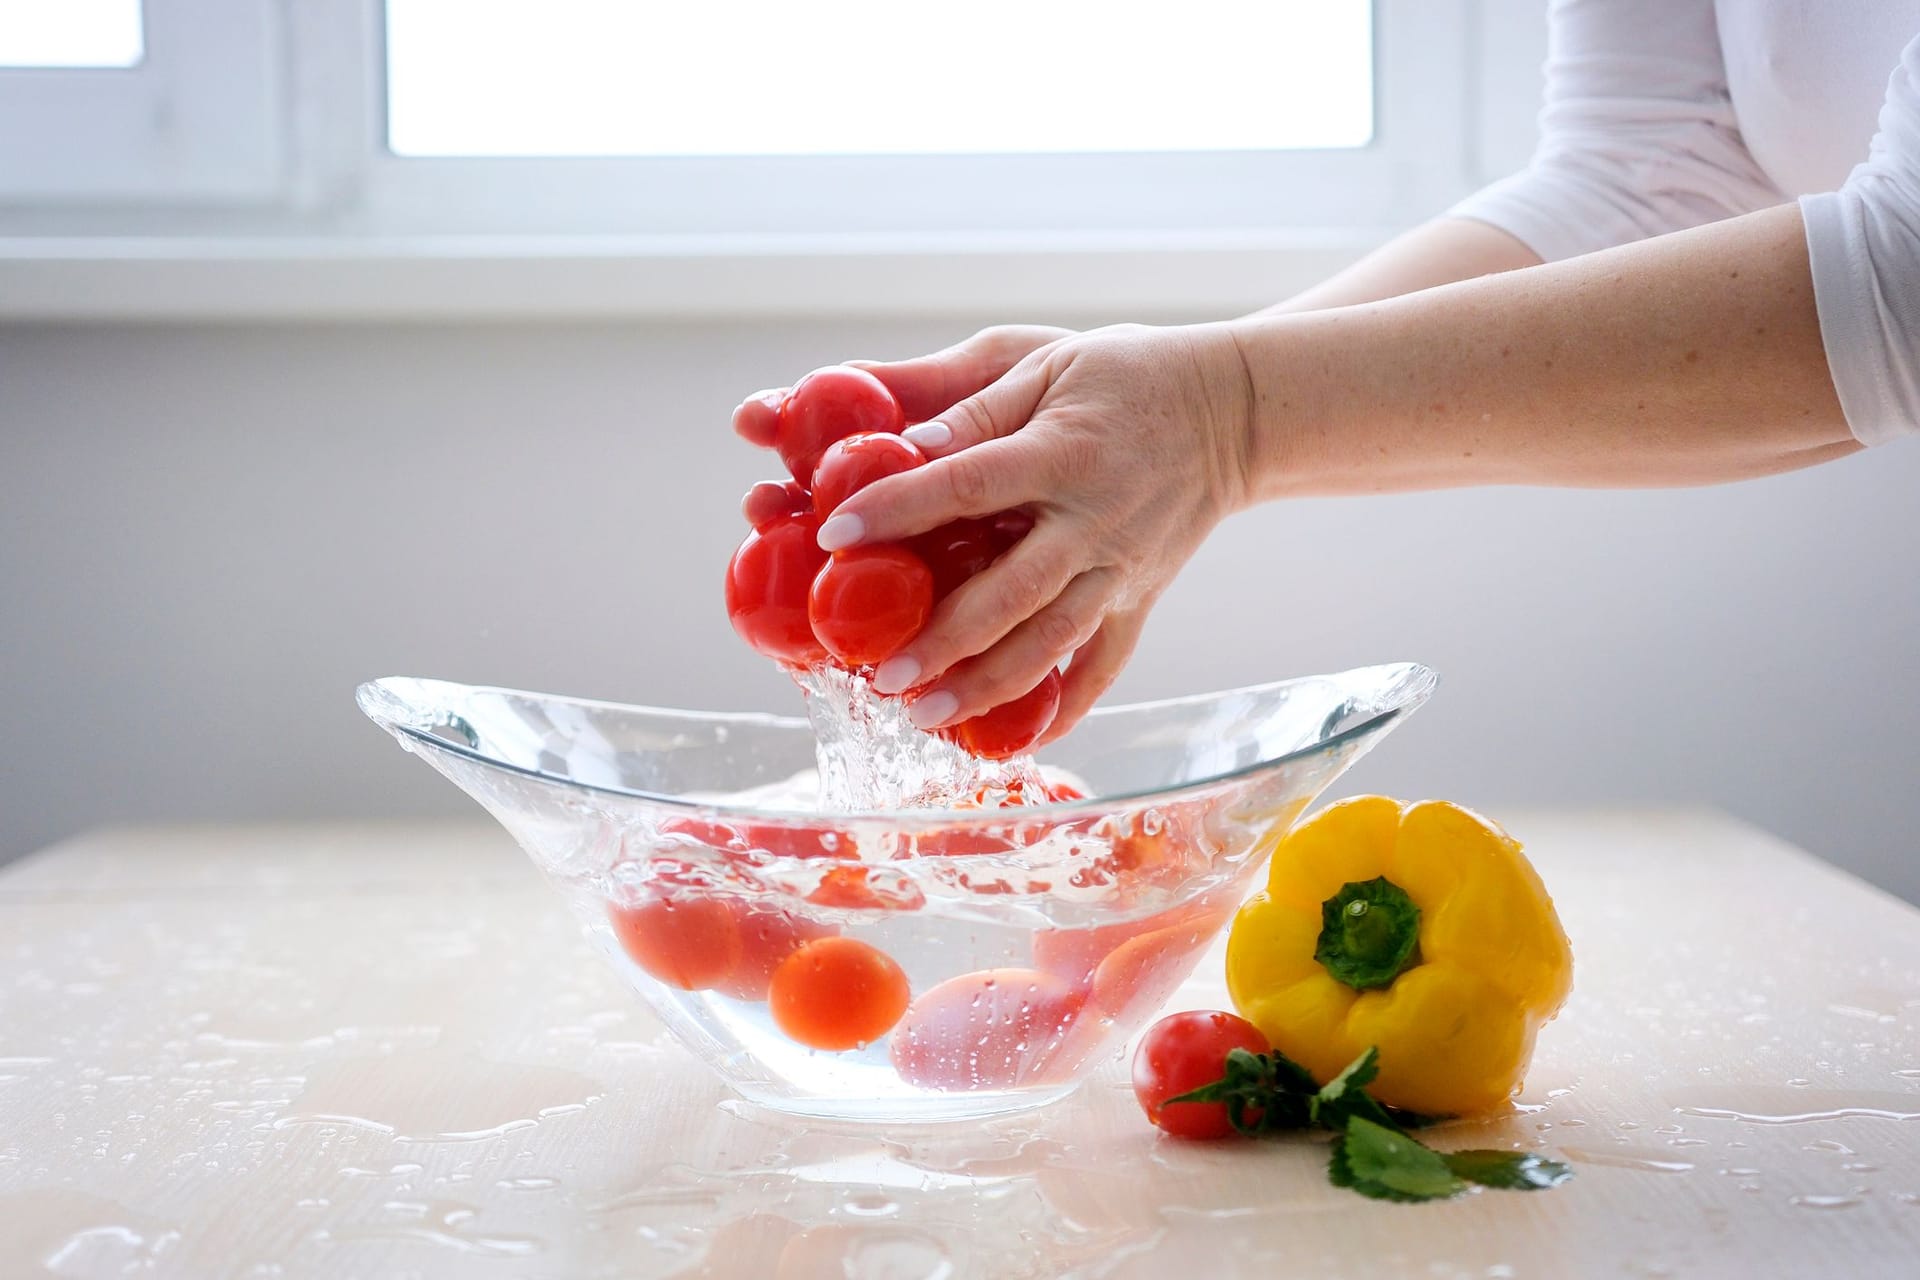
(1126, 445)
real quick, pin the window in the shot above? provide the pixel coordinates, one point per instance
(70, 33)
(1213, 116)
(770, 77)
(112, 101)
(739, 154)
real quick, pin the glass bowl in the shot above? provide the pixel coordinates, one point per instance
(909, 965)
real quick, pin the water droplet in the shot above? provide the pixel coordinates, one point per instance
(1823, 1202)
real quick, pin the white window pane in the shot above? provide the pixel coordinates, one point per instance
(774, 77)
(70, 33)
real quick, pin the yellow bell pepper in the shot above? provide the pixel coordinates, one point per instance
(1421, 929)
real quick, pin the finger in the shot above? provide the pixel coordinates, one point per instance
(986, 607)
(768, 500)
(929, 385)
(1095, 666)
(996, 477)
(758, 417)
(969, 481)
(1022, 658)
(997, 410)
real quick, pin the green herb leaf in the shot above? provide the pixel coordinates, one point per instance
(1359, 1073)
(1345, 1096)
(1263, 1092)
(1508, 1170)
(1388, 1165)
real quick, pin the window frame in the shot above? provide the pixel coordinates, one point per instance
(200, 119)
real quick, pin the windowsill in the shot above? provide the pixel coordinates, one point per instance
(1140, 274)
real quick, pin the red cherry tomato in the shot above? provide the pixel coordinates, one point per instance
(768, 581)
(768, 500)
(766, 837)
(1181, 1053)
(1011, 526)
(1012, 727)
(827, 405)
(957, 551)
(869, 601)
(1074, 955)
(687, 942)
(994, 1029)
(1141, 974)
(837, 993)
(852, 464)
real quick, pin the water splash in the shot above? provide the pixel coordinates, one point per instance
(871, 757)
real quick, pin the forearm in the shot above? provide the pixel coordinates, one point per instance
(1687, 359)
(1435, 253)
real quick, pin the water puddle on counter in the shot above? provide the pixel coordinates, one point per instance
(1774, 1106)
(1643, 1161)
(449, 1224)
(435, 1096)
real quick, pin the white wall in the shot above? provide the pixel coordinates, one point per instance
(208, 535)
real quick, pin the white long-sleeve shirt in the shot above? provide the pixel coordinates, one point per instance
(1666, 114)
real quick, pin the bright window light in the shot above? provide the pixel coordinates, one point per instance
(774, 77)
(70, 33)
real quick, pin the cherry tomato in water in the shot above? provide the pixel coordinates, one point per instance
(768, 582)
(994, 1029)
(1183, 1052)
(852, 464)
(869, 601)
(837, 993)
(686, 942)
(767, 936)
(1012, 727)
(827, 405)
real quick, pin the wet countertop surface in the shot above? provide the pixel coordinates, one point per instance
(385, 1050)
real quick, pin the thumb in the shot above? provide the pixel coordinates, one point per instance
(929, 385)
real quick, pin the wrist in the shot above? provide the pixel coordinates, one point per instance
(1286, 364)
(1232, 397)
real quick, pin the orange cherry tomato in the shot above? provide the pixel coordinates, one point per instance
(993, 1029)
(837, 993)
(689, 942)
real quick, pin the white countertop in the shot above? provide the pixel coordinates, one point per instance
(371, 1050)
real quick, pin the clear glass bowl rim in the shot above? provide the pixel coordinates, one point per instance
(1418, 680)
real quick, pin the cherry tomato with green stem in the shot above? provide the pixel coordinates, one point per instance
(1187, 1051)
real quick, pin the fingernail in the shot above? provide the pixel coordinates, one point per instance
(896, 673)
(931, 711)
(928, 435)
(840, 532)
